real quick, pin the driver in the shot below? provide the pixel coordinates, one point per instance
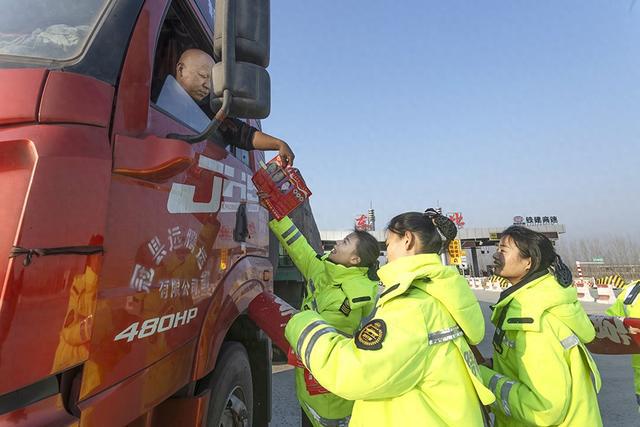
(193, 73)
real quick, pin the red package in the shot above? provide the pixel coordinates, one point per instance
(313, 386)
(284, 187)
(292, 359)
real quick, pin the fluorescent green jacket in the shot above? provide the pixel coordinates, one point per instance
(341, 296)
(628, 305)
(542, 370)
(410, 364)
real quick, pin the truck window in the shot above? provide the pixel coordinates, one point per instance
(49, 30)
(208, 9)
(241, 154)
(173, 99)
(181, 31)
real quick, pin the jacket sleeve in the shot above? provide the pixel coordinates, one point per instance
(237, 133)
(302, 254)
(540, 395)
(354, 373)
(360, 294)
(617, 308)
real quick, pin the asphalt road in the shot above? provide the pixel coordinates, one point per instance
(617, 398)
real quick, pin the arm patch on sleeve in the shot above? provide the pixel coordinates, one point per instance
(372, 335)
(345, 308)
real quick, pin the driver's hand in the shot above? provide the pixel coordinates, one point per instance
(286, 154)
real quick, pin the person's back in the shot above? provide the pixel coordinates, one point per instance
(444, 391)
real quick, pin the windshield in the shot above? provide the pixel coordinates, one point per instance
(50, 30)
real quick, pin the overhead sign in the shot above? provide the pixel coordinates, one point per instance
(457, 219)
(455, 252)
(361, 223)
(534, 220)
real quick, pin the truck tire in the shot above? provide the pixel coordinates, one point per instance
(231, 401)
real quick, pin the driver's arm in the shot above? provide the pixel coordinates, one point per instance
(241, 135)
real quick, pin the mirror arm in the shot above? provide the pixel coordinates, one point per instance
(220, 116)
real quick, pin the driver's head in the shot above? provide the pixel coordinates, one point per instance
(193, 72)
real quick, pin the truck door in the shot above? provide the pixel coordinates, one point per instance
(171, 217)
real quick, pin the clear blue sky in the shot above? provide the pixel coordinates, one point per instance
(492, 108)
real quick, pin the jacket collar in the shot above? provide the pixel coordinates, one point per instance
(338, 273)
(524, 306)
(399, 275)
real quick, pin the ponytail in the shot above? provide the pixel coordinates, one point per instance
(368, 250)
(434, 230)
(444, 226)
(561, 272)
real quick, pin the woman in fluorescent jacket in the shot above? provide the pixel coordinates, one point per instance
(341, 290)
(542, 372)
(628, 305)
(410, 363)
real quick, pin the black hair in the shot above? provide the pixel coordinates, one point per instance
(434, 230)
(538, 247)
(368, 250)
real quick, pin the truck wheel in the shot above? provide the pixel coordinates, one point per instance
(231, 401)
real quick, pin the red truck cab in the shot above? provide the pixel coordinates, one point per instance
(129, 257)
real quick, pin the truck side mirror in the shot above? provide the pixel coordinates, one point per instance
(241, 50)
(241, 86)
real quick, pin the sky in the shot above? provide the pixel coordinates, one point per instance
(488, 108)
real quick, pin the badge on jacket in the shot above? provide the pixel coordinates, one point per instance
(372, 335)
(345, 308)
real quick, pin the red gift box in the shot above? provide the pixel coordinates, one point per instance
(284, 187)
(313, 386)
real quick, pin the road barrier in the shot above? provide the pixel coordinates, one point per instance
(583, 286)
(615, 279)
(497, 283)
(475, 282)
(606, 294)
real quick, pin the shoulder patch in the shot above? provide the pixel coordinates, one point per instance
(371, 335)
(345, 308)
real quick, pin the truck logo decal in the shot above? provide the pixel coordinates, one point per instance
(181, 197)
(181, 242)
(157, 325)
